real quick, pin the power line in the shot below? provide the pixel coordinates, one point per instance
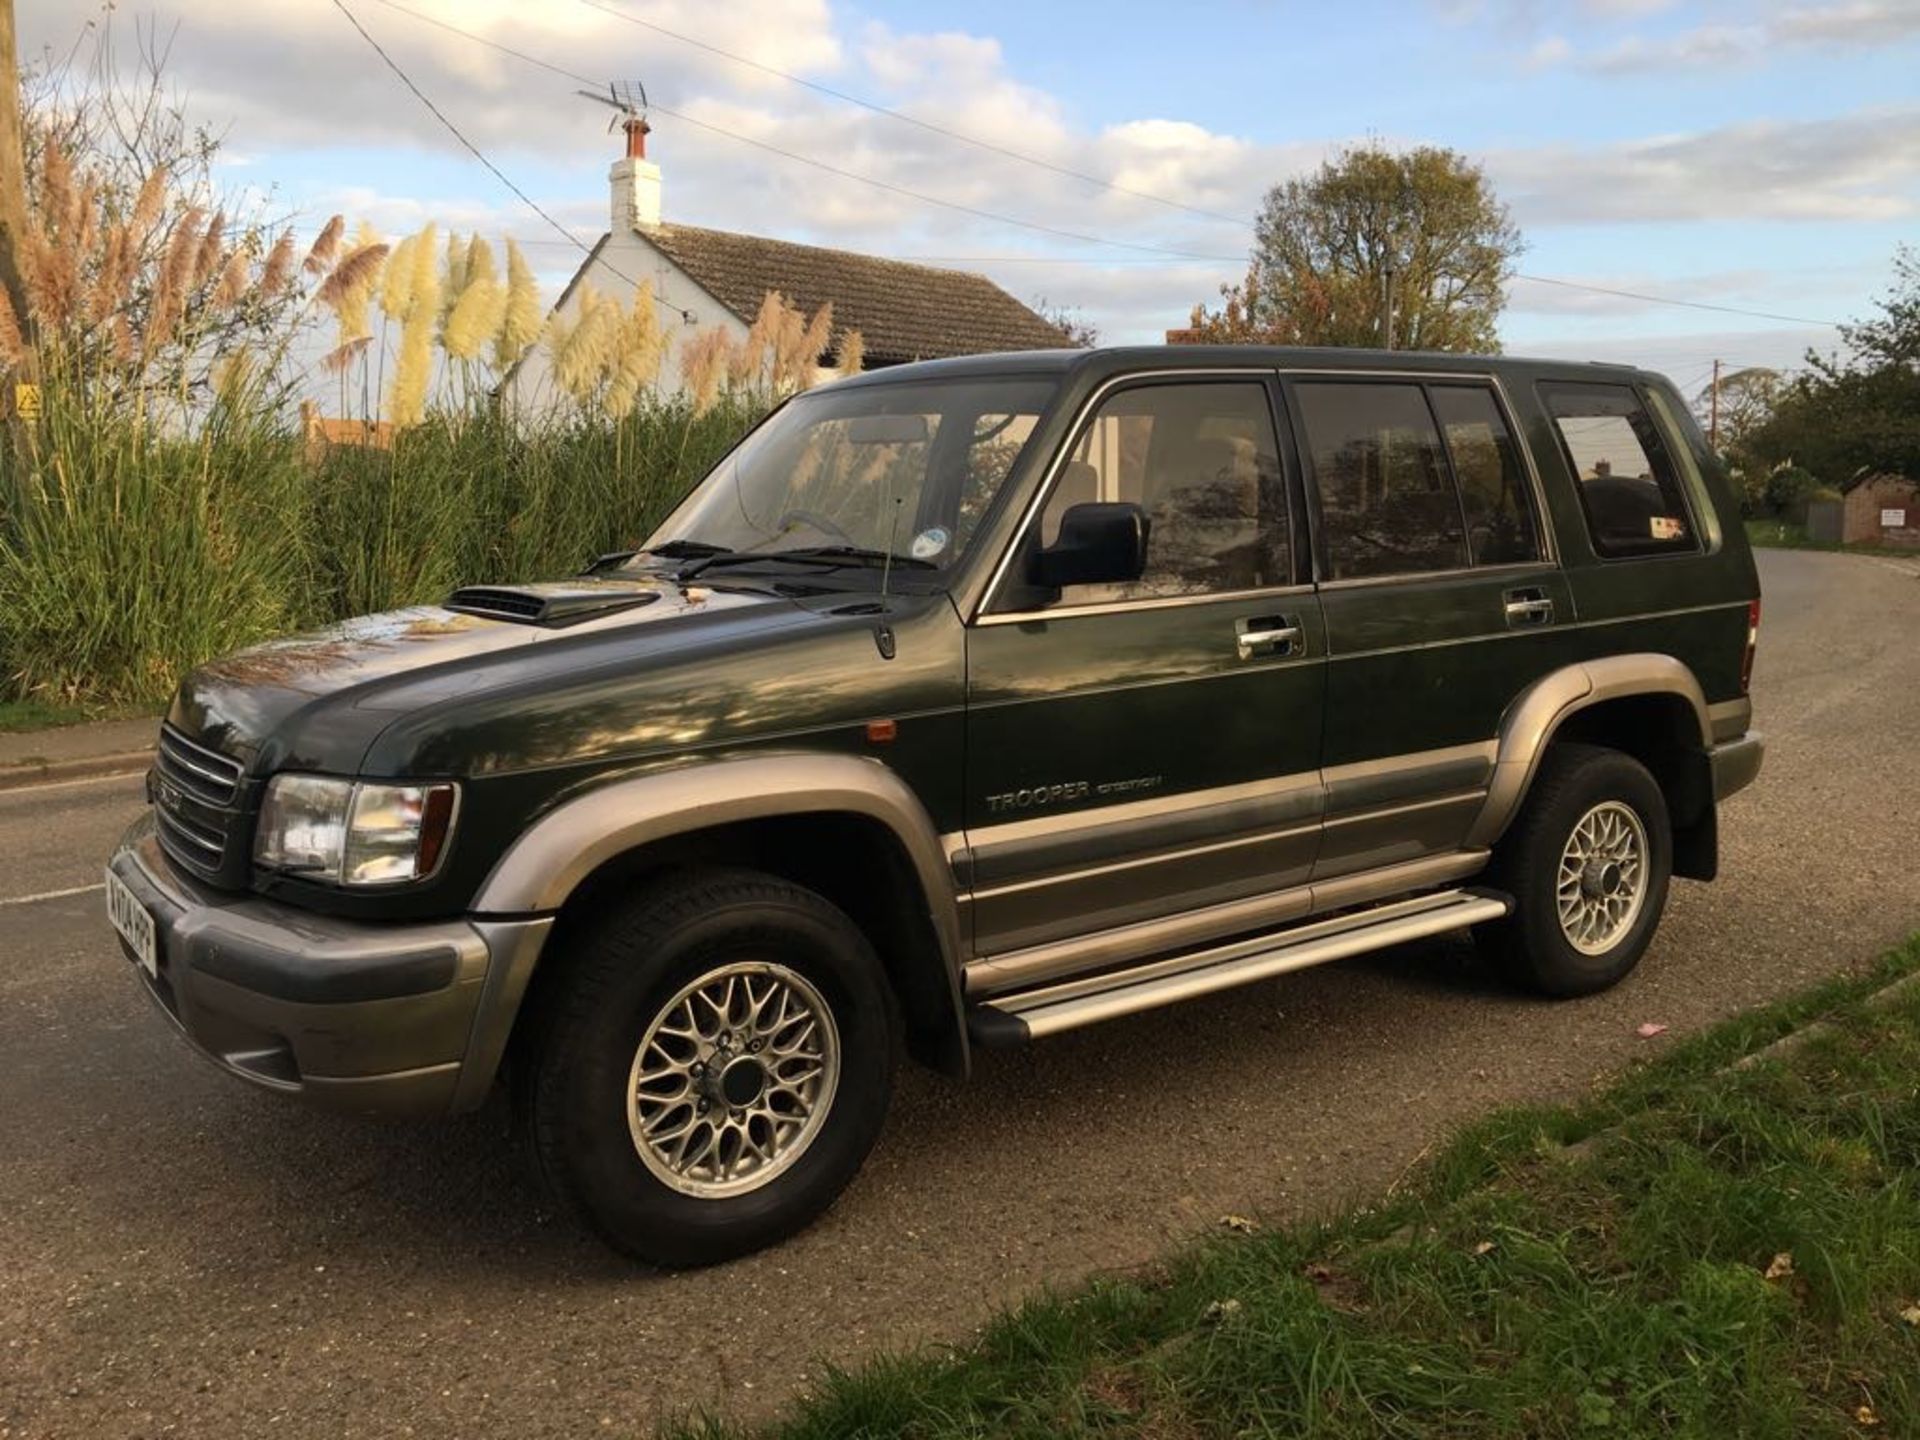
(1669, 300)
(831, 169)
(475, 151)
(989, 215)
(908, 119)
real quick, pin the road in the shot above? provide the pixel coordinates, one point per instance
(180, 1255)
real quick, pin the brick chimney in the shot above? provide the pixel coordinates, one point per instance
(636, 182)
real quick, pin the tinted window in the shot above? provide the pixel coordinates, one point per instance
(1627, 483)
(1203, 462)
(1493, 485)
(1387, 501)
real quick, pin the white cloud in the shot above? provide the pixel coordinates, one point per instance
(1860, 166)
(1843, 25)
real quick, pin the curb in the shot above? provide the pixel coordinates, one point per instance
(42, 772)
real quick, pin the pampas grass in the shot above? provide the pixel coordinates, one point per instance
(852, 353)
(13, 343)
(407, 399)
(326, 246)
(521, 325)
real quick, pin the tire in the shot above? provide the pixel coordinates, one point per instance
(1608, 930)
(608, 1024)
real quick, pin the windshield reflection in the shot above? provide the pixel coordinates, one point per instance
(904, 470)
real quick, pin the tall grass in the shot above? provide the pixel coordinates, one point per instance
(464, 499)
(166, 505)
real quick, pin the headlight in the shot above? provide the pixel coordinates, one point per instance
(353, 832)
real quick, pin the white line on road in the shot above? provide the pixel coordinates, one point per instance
(68, 784)
(54, 894)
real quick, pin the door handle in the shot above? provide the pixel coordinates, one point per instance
(1269, 635)
(1530, 606)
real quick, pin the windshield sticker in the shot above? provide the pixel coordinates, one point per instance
(929, 543)
(1666, 527)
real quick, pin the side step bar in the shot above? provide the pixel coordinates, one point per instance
(1029, 1014)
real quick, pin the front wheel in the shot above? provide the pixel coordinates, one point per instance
(709, 1068)
(1587, 864)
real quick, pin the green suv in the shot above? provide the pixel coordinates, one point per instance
(962, 704)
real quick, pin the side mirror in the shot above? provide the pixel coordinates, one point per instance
(1100, 543)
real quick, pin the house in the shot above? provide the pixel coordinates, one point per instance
(716, 278)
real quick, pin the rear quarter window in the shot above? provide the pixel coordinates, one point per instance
(1630, 488)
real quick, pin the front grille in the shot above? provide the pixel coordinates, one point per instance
(199, 800)
(208, 774)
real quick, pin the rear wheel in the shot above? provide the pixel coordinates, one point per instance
(710, 1067)
(1587, 863)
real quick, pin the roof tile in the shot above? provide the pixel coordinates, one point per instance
(903, 311)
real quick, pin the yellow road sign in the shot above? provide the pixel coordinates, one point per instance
(26, 401)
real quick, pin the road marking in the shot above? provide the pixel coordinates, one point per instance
(53, 894)
(69, 784)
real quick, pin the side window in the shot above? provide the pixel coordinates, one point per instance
(1625, 476)
(1203, 462)
(1494, 496)
(1387, 502)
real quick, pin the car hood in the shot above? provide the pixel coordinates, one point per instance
(317, 701)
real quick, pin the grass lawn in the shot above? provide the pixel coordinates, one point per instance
(1784, 535)
(19, 715)
(1694, 1251)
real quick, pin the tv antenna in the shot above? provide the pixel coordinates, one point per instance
(629, 99)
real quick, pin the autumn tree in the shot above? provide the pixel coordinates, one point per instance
(1408, 251)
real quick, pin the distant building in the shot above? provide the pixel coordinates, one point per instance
(903, 311)
(1875, 510)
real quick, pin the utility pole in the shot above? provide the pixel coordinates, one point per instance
(13, 168)
(1713, 413)
(1386, 306)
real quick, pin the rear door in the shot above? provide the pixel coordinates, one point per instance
(1139, 749)
(1441, 596)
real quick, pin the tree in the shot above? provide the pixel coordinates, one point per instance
(1080, 332)
(1854, 415)
(1409, 251)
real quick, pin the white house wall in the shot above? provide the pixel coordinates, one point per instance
(624, 259)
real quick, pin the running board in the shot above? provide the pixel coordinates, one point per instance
(1026, 1015)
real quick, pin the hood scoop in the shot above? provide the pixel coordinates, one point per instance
(549, 605)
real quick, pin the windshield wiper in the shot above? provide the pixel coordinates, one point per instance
(670, 549)
(832, 557)
(858, 555)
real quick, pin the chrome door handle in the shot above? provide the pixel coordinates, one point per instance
(1528, 607)
(1269, 635)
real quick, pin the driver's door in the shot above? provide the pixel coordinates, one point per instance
(1145, 747)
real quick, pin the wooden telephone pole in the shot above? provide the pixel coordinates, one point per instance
(1713, 412)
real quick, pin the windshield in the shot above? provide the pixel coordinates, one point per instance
(906, 470)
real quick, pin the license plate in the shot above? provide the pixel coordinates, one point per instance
(134, 924)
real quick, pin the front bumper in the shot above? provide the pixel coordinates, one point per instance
(1736, 763)
(396, 1019)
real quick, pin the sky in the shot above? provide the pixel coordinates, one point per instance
(1762, 156)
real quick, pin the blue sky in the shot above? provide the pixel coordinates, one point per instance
(1762, 156)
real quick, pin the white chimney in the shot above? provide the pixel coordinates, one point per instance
(636, 183)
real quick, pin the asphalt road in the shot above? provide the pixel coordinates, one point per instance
(179, 1255)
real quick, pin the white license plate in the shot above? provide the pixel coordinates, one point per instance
(131, 920)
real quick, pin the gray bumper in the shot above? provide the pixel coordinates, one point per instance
(1736, 763)
(396, 1019)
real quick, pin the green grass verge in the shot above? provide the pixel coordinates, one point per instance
(1518, 1287)
(20, 715)
(1783, 535)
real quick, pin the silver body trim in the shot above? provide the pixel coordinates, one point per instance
(1105, 997)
